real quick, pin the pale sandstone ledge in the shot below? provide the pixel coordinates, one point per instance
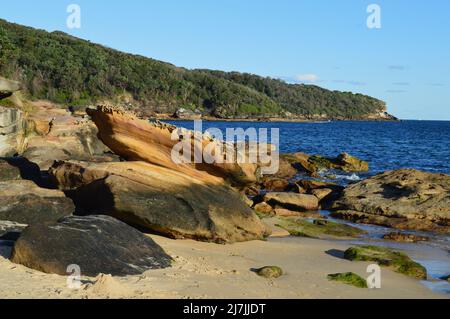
(203, 270)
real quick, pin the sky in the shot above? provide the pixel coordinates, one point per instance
(405, 62)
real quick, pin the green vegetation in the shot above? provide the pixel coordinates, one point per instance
(321, 229)
(71, 71)
(270, 272)
(349, 278)
(386, 257)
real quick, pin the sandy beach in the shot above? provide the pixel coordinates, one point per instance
(203, 270)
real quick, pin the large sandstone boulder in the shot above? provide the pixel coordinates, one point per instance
(292, 201)
(97, 244)
(22, 201)
(139, 140)
(160, 200)
(404, 199)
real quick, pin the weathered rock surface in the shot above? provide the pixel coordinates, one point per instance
(186, 114)
(405, 199)
(24, 202)
(11, 125)
(8, 172)
(406, 238)
(292, 201)
(97, 244)
(139, 140)
(160, 200)
(55, 134)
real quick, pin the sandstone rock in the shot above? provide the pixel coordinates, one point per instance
(7, 228)
(408, 238)
(55, 134)
(405, 199)
(139, 140)
(321, 193)
(275, 184)
(11, 126)
(292, 201)
(24, 202)
(263, 208)
(350, 163)
(97, 244)
(8, 172)
(160, 200)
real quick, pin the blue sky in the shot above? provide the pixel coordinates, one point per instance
(405, 63)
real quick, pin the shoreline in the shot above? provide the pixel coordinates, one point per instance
(204, 270)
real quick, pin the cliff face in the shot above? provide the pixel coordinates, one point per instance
(70, 71)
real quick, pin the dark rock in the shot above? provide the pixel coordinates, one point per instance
(97, 244)
(24, 202)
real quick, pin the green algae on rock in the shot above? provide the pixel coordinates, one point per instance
(270, 272)
(321, 229)
(349, 278)
(383, 256)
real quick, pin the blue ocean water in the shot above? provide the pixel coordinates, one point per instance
(423, 145)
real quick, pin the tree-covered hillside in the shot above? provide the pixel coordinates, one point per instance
(68, 70)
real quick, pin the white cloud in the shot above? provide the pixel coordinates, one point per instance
(307, 78)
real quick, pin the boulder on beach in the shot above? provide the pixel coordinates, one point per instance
(292, 201)
(139, 140)
(22, 201)
(387, 257)
(160, 200)
(404, 199)
(97, 244)
(405, 238)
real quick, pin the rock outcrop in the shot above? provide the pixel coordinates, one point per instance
(139, 140)
(11, 129)
(292, 201)
(8, 87)
(159, 199)
(97, 244)
(22, 201)
(405, 199)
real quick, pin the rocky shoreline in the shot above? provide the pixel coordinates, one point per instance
(72, 179)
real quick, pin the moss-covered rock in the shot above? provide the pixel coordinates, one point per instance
(321, 229)
(349, 278)
(269, 272)
(383, 256)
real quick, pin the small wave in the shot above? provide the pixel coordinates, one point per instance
(353, 177)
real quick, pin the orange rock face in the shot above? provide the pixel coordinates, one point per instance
(139, 140)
